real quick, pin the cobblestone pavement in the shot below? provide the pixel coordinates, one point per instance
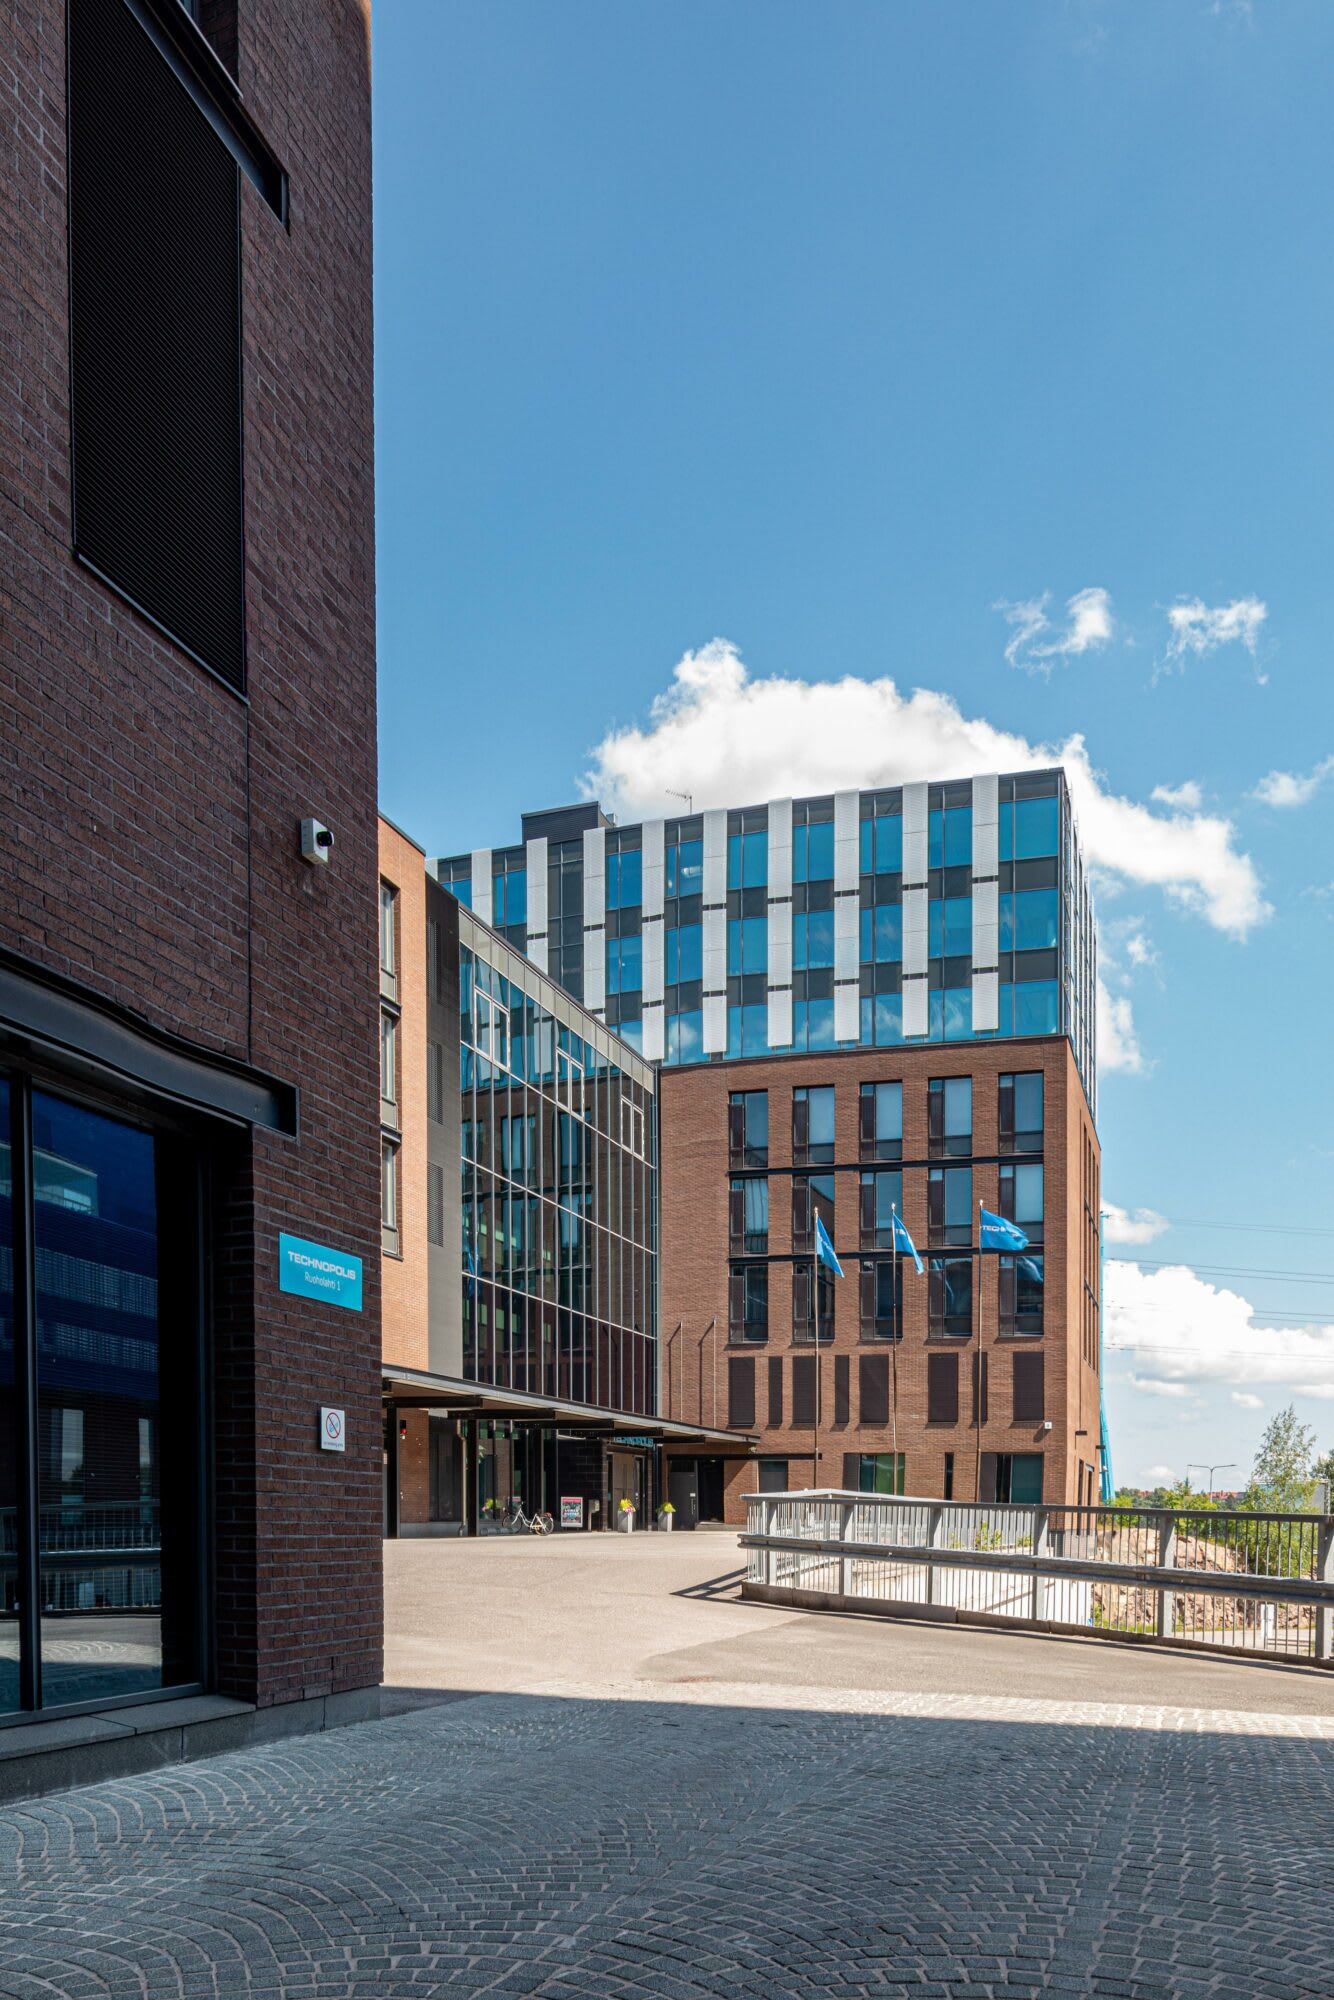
(715, 1839)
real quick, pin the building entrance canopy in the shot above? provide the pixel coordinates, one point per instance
(457, 1397)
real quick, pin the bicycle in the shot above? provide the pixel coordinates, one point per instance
(514, 1521)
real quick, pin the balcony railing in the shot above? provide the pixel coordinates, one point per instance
(1251, 1583)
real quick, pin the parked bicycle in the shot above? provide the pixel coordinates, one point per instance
(515, 1521)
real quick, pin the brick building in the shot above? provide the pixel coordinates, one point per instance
(888, 1400)
(187, 1050)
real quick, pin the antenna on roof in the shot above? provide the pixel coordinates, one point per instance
(689, 797)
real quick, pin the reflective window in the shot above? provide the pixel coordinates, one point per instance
(950, 838)
(881, 1115)
(882, 934)
(1021, 1294)
(748, 1304)
(685, 868)
(813, 853)
(882, 846)
(625, 880)
(747, 946)
(388, 1058)
(1021, 1197)
(881, 1200)
(813, 1024)
(812, 939)
(951, 928)
(388, 928)
(949, 1108)
(1030, 920)
(949, 1295)
(509, 899)
(747, 860)
(882, 1299)
(813, 1125)
(882, 1020)
(1020, 1112)
(748, 1128)
(880, 1472)
(748, 1030)
(685, 1036)
(1030, 829)
(950, 1015)
(748, 1216)
(950, 1204)
(685, 954)
(1032, 1007)
(625, 964)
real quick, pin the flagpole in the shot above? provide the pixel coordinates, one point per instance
(977, 1379)
(894, 1338)
(815, 1281)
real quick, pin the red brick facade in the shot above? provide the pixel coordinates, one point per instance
(695, 1179)
(151, 814)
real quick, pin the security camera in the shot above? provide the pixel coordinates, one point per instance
(1046, 1426)
(316, 843)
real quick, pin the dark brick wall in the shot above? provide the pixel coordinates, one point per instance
(150, 815)
(694, 1181)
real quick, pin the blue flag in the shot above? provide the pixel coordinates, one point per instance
(903, 1243)
(998, 1234)
(824, 1249)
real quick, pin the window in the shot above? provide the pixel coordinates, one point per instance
(1030, 1007)
(1012, 1478)
(155, 340)
(685, 954)
(492, 1028)
(876, 1471)
(1029, 1389)
(748, 1128)
(881, 1196)
(389, 1186)
(882, 1298)
(949, 1476)
(570, 1083)
(949, 1293)
(813, 852)
(880, 1113)
(509, 899)
(740, 1392)
(812, 1195)
(812, 939)
(950, 925)
(949, 1205)
(748, 860)
(685, 868)
(632, 1127)
(873, 1386)
(388, 1058)
(949, 1115)
(950, 838)
(773, 1475)
(882, 934)
(813, 1126)
(625, 880)
(882, 1020)
(1030, 920)
(748, 1302)
(804, 1300)
(1030, 829)
(813, 1024)
(748, 1030)
(882, 846)
(747, 946)
(950, 1013)
(1021, 1197)
(625, 964)
(685, 1036)
(1020, 1113)
(748, 1216)
(1021, 1294)
(435, 1204)
(388, 929)
(942, 1388)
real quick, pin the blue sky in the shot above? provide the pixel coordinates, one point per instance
(828, 331)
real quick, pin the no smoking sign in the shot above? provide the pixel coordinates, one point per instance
(333, 1429)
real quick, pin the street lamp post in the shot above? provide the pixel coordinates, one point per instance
(1225, 1465)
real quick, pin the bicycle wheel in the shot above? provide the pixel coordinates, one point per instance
(544, 1523)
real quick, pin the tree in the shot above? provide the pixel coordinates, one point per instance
(1283, 1476)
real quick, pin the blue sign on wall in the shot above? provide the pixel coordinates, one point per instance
(317, 1272)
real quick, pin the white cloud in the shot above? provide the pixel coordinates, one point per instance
(1034, 642)
(730, 739)
(1142, 1225)
(1244, 1400)
(1150, 1385)
(1187, 1330)
(1293, 788)
(1160, 1475)
(1118, 1043)
(1139, 949)
(1200, 628)
(1188, 796)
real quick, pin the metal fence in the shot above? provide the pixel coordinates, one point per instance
(90, 1558)
(1252, 1583)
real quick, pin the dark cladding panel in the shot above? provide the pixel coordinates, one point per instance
(155, 339)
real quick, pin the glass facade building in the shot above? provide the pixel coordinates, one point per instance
(918, 913)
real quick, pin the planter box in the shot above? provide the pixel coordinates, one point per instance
(625, 1523)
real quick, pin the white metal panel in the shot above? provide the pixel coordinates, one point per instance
(595, 968)
(847, 840)
(655, 1034)
(847, 1013)
(715, 857)
(780, 944)
(846, 936)
(654, 961)
(986, 923)
(654, 837)
(481, 883)
(537, 952)
(915, 930)
(780, 847)
(595, 874)
(780, 1019)
(714, 943)
(538, 861)
(986, 825)
(916, 1017)
(915, 825)
(715, 1024)
(986, 1002)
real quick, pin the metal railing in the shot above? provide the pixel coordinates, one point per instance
(1252, 1583)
